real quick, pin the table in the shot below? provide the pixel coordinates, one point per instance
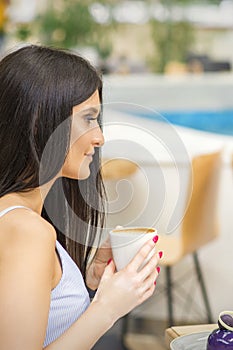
(177, 331)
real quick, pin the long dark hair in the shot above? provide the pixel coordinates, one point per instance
(38, 88)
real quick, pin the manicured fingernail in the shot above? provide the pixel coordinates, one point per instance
(158, 269)
(160, 254)
(109, 261)
(155, 283)
(155, 239)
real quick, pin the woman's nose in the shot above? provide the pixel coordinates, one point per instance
(98, 137)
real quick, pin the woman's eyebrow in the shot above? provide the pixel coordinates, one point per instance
(92, 110)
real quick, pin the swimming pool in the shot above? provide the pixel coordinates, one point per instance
(216, 121)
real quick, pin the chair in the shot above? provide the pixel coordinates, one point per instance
(117, 168)
(199, 226)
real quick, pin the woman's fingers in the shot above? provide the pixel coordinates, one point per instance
(124, 290)
(109, 270)
(150, 267)
(141, 256)
(148, 293)
(149, 282)
(146, 276)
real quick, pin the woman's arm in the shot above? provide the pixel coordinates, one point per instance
(26, 270)
(118, 294)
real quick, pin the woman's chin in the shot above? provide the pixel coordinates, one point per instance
(83, 175)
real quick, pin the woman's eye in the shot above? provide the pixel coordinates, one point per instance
(90, 119)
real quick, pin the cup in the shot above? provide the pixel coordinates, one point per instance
(127, 241)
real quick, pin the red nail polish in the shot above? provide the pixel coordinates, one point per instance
(155, 283)
(158, 269)
(160, 254)
(155, 239)
(109, 261)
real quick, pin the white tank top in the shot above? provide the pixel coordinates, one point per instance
(69, 299)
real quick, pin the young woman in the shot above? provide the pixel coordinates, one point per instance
(51, 208)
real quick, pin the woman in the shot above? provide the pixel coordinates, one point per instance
(51, 208)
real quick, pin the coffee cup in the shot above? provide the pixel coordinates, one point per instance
(127, 241)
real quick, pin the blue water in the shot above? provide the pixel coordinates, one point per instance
(217, 121)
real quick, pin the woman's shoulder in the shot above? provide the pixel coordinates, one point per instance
(23, 224)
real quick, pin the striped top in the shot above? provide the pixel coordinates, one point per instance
(69, 299)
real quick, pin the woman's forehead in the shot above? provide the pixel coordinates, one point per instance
(92, 104)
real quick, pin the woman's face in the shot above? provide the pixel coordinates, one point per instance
(86, 135)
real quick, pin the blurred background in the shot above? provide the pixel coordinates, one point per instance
(165, 36)
(168, 57)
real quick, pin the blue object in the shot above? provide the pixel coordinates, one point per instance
(215, 121)
(220, 340)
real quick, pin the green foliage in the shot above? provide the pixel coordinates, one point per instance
(184, 2)
(102, 39)
(68, 25)
(23, 31)
(172, 41)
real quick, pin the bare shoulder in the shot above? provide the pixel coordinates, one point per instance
(25, 225)
(27, 259)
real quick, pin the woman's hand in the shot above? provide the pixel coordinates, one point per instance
(97, 267)
(120, 292)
